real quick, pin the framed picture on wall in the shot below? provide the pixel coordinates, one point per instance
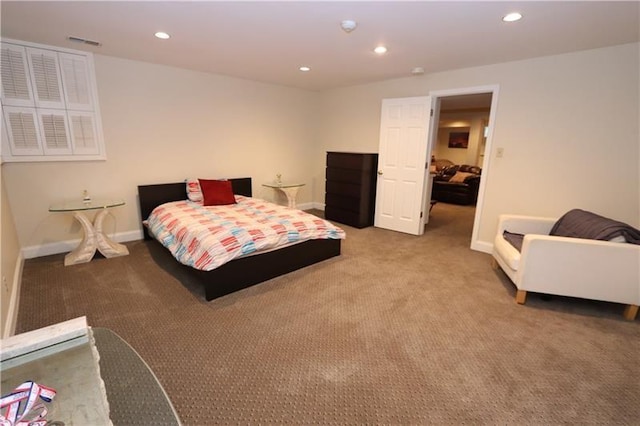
(459, 140)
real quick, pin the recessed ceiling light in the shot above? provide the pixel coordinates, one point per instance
(380, 50)
(304, 69)
(162, 35)
(512, 17)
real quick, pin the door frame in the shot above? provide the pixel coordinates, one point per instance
(486, 162)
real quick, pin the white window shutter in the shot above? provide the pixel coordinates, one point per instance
(84, 134)
(16, 88)
(55, 132)
(75, 77)
(5, 149)
(45, 75)
(50, 104)
(23, 132)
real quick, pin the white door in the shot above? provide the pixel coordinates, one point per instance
(402, 164)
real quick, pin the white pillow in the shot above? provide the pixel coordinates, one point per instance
(618, 239)
(194, 193)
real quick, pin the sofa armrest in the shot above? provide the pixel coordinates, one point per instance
(525, 224)
(472, 180)
(590, 269)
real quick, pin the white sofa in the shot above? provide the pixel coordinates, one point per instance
(589, 269)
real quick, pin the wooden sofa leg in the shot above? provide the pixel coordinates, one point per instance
(494, 263)
(630, 312)
(521, 297)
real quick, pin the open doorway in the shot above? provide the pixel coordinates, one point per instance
(460, 148)
(462, 129)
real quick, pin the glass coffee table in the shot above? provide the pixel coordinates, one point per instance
(98, 377)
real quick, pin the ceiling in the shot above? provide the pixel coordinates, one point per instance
(268, 41)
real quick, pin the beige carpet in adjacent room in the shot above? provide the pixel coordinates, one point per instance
(398, 330)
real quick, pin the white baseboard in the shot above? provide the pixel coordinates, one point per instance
(317, 206)
(31, 252)
(304, 206)
(12, 312)
(482, 246)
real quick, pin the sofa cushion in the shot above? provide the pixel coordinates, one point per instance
(442, 163)
(460, 177)
(508, 253)
(470, 169)
(450, 170)
(514, 239)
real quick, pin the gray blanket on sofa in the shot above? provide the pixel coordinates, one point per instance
(578, 223)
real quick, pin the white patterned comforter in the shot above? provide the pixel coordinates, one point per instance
(207, 237)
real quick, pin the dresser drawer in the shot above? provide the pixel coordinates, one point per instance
(357, 220)
(342, 188)
(347, 175)
(343, 202)
(345, 160)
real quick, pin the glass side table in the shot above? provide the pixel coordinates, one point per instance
(94, 237)
(289, 189)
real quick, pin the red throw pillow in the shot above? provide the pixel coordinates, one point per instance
(217, 192)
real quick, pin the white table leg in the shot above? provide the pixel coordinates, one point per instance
(93, 239)
(106, 245)
(291, 195)
(87, 248)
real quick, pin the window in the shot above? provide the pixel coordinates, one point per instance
(49, 104)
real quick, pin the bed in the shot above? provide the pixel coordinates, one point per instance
(245, 271)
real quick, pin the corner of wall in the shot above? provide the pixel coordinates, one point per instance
(10, 266)
(11, 318)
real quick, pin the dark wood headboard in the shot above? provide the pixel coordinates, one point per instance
(151, 196)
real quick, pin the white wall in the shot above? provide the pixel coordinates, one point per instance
(568, 125)
(164, 124)
(472, 122)
(10, 266)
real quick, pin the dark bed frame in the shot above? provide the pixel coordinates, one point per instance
(247, 271)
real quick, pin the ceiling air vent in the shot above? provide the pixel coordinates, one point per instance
(85, 41)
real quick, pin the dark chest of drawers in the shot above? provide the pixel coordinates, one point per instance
(350, 191)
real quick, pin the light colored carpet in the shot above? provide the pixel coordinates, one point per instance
(397, 330)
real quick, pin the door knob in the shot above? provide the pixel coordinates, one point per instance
(380, 172)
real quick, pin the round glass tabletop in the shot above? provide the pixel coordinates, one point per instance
(78, 205)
